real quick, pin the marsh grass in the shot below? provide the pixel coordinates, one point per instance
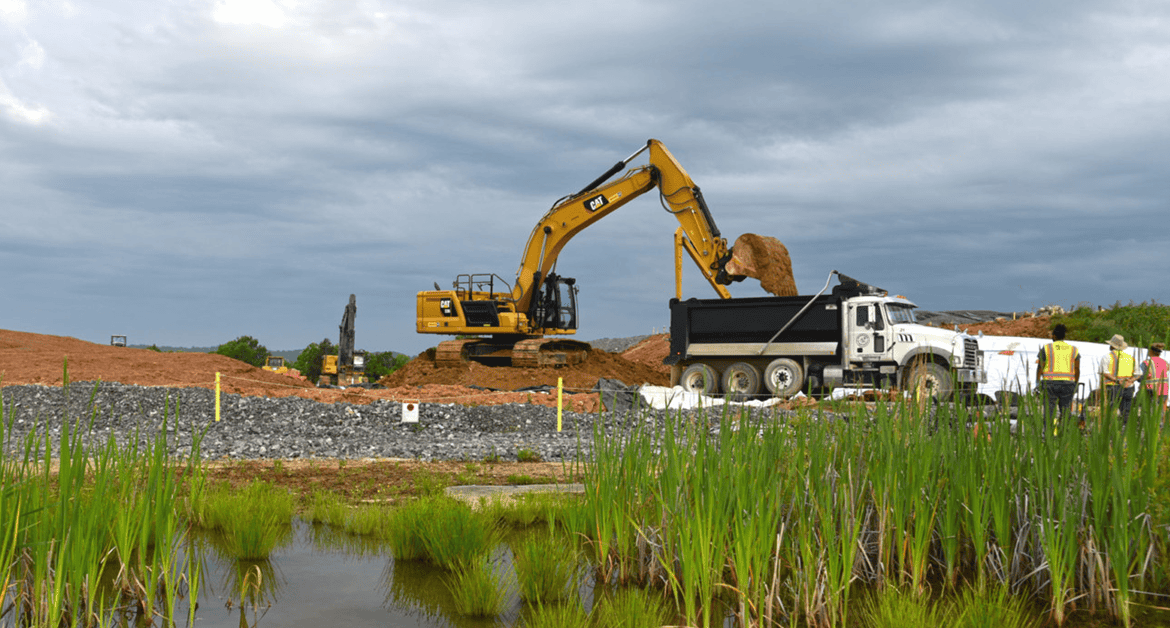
(327, 507)
(452, 535)
(631, 608)
(993, 608)
(254, 520)
(478, 588)
(547, 567)
(892, 607)
(569, 614)
(788, 515)
(59, 535)
(403, 530)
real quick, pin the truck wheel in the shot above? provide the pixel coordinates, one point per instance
(784, 377)
(741, 380)
(700, 378)
(930, 379)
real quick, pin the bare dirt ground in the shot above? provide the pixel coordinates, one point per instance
(27, 358)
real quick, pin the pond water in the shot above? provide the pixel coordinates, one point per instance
(322, 577)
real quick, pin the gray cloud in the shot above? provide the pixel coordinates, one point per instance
(191, 171)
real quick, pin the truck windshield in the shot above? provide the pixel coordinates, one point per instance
(900, 313)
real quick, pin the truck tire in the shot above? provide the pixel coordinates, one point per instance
(784, 377)
(700, 378)
(741, 380)
(930, 379)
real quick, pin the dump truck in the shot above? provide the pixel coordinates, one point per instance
(857, 336)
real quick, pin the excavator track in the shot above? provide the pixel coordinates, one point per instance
(452, 353)
(545, 352)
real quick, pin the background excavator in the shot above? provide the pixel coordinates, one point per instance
(347, 368)
(511, 323)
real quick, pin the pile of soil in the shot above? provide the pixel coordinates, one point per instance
(1032, 327)
(764, 258)
(27, 358)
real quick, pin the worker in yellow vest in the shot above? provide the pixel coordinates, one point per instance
(1154, 381)
(1118, 372)
(1058, 369)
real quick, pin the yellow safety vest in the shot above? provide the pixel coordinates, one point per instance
(1121, 365)
(1157, 381)
(1060, 360)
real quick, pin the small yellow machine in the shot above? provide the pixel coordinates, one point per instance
(275, 363)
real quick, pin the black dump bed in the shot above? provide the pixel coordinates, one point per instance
(753, 320)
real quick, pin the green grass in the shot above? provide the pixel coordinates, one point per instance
(254, 520)
(566, 615)
(478, 589)
(452, 535)
(59, 532)
(894, 608)
(997, 608)
(784, 518)
(631, 608)
(547, 567)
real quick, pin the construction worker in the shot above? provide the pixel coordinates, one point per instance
(1058, 369)
(1154, 381)
(1118, 372)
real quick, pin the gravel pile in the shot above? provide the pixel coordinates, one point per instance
(616, 345)
(292, 427)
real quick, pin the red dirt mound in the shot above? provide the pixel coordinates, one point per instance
(27, 358)
(578, 378)
(1036, 327)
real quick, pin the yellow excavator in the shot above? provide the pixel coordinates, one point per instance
(510, 324)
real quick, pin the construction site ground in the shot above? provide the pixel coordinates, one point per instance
(28, 358)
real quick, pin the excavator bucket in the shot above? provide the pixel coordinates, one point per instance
(766, 259)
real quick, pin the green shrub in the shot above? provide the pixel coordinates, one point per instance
(1141, 324)
(309, 361)
(379, 365)
(245, 349)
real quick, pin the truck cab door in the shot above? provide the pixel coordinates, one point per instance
(868, 332)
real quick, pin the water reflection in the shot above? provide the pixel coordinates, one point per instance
(323, 576)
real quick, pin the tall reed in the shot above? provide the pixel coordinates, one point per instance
(58, 533)
(785, 515)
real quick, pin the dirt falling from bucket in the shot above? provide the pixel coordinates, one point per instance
(766, 259)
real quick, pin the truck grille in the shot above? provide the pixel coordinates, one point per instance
(970, 352)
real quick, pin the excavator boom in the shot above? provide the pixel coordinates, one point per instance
(539, 303)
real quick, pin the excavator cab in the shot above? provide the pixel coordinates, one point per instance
(557, 306)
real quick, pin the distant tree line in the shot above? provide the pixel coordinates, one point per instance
(248, 349)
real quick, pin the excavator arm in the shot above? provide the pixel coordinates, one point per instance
(502, 324)
(697, 232)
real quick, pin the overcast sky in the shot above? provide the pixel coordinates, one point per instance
(188, 171)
